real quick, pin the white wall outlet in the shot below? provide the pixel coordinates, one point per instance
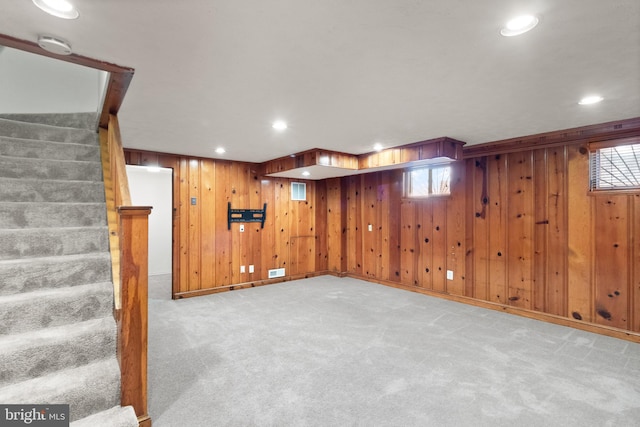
(449, 274)
(242, 269)
(251, 270)
(370, 227)
(242, 228)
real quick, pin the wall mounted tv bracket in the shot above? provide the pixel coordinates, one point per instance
(246, 215)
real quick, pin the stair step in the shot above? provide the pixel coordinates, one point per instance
(88, 389)
(32, 190)
(32, 274)
(46, 242)
(41, 352)
(118, 416)
(24, 167)
(47, 308)
(25, 130)
(72, 120)
(32, 148)
(51, 215)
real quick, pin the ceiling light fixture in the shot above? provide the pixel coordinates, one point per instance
(378, 147)
(54, 45)
(279, 125)
(220, 150)
(59, 8)
(519, 25)
(306, 173)
(592, 99)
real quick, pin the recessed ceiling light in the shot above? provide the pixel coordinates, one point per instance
(519, 25)
(220, 150)
(377, 147)
(306, 173)
(60, 8)
(279, 125)
(592, 99)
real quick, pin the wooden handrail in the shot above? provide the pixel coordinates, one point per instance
(128, 240)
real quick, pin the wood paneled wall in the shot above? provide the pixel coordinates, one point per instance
(209, 255)
(519, 229)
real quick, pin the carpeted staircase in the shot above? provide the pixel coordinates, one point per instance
(57, 331)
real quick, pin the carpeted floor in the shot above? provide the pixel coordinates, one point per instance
(342, 352)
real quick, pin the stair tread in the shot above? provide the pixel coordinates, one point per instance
(118, 416)
(87, 389)
(40, 294)
(40, 337)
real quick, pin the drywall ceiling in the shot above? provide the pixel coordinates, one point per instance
(348, 74)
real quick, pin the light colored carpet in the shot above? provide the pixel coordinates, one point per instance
(342, 352)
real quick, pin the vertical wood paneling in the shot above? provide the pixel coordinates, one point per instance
(354, 225)
(408, 255)
(425, 233)
(497, 214)
(478, 235)
(439, 246)
(207, 201)
(541, 230)
(222, 238)
(268, 233)
(391, 238)
(455, 230)
(611, 260)
(281, 243)
(184, 225)
(194, 225)
(579, 236)
(255, 202)
(520, 229)
(369, 215)
(336, 229)
(321, 224)
(556, 280)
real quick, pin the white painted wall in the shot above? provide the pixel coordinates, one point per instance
(155, 189)
(32, 83)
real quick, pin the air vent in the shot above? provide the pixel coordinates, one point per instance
(276, 272)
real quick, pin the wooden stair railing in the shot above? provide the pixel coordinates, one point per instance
(128, 240)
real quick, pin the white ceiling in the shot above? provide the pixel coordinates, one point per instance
(348, 74)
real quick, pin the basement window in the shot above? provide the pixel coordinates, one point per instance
(427, 182)
(615, 167)
(298, 191)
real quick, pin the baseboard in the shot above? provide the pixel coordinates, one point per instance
(545, 317)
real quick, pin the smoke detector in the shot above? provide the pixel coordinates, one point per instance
(54, 45)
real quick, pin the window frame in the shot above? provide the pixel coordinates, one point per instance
(594, 166)
(407, 183)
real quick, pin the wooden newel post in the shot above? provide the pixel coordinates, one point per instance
(132, 319)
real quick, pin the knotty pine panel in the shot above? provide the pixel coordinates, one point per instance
(321, 224)
(635, 263)
(580, 236)
(478, 231)
(334, 226)
(455, 229)
(498, 202)
(439, 244)
(208, 256)
(612, 260)
(520, 229)
(408, 253)
(370, 215)
(424, 264)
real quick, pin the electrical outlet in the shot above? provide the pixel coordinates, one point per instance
(449, 274)
(251, 270)
(370, 227)
(242, 228)
(242, 269)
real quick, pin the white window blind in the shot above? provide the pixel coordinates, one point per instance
(615, 168)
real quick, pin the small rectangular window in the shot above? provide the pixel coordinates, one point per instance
(615, 168)
(298, 191)
(427, 181)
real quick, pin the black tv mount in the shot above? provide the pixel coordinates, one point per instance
(246, 215)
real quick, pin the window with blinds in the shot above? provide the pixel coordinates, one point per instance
(615, 168)
(427, 181)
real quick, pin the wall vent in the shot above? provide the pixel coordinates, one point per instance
(276, 272)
